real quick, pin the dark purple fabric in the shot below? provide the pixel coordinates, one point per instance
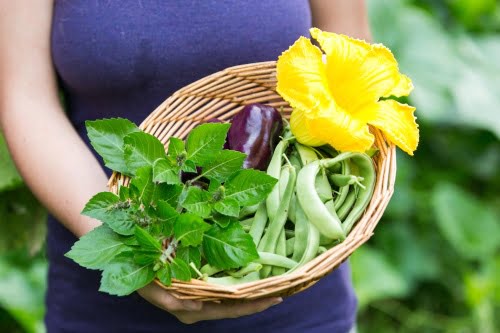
(123, 58)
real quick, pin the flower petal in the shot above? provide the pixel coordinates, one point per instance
(300, 127)
(341, 131)
(302, 78)
(398, 123)
(360, 73)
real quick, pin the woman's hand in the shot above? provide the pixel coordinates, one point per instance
(190, 312)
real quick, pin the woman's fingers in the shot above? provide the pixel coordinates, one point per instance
(164, 300)
(211, 311)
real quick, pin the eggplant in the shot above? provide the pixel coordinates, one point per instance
(255, 131)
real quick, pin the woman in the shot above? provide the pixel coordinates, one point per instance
(121, 59)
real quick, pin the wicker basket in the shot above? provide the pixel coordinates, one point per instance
(221, 95)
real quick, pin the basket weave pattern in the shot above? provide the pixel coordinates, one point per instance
(222, 95)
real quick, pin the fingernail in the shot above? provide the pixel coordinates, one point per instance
(277, 300)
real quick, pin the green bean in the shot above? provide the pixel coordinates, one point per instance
(323, 187)
(277, 223)
(248, 210)
(272, 259)
(316, 212)
(251, 267)
(210, 270)
(367, 172)
(281, 250)
(247, 222)
(274, 170)
(291, 211)
(307, 154)
(301, 230)
(259, 223)
(342, 180)
(311, 248)
(288, 233)
(322, 249)
(230, 281)
(344, 190)
(346, 207)
(289, 246)
(283, 180)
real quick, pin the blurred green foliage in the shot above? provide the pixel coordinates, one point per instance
(433, 264)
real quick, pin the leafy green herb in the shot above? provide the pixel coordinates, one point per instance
(106, 136)
(158, 226)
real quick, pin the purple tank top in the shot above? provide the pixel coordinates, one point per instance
(122, 59)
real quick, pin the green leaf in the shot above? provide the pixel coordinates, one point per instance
(189, 166)
(228, 206)
(168, 193)
(469, 225)
(124, 276)
(9, 177)
(249, 187)
(124, 193)
(197, 201)
(142, 186)
(190, 255)
(228, 248)
(95, 249)
(145, 257)
(189, 229)
(146, 241)
(106, 136)
(175, 148)
(164, 172)
(224, 164)
(180, 270)
(167, 216)
(105, 207)
(164, 275)
(204, 141)
(223, 220)
(374, 277)
(142, 149)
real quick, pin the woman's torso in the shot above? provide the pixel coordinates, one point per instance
(122, 59)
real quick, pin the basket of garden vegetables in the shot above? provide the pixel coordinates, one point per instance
(255, 181)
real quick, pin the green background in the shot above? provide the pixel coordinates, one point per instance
(433, 264)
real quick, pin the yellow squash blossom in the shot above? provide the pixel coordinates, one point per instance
(337, 96)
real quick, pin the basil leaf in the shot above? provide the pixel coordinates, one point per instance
(164, 275)
(223, 220)
(249, 187)
(228, 206)
(175, 148)
(144, 257)
(141, 149)
(124, 276)
(190, 255)
(167, 216)
(228, 248)
(189, 166)
(167, 193)
(164, 172)
(189, 229)
(142, 186)
(197, 201)
(204, 141)
(180, 270)
(223, 165)
(146, 241)
(107, 207)
(106, 136)
(96, 248)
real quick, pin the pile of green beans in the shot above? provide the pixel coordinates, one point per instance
(319, 197)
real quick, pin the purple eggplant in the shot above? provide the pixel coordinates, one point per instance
(255, 131)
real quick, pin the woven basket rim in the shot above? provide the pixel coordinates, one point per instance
(223, 94)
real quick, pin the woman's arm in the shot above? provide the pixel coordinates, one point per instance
(348, 17)
(51, 157)
(53, 160)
